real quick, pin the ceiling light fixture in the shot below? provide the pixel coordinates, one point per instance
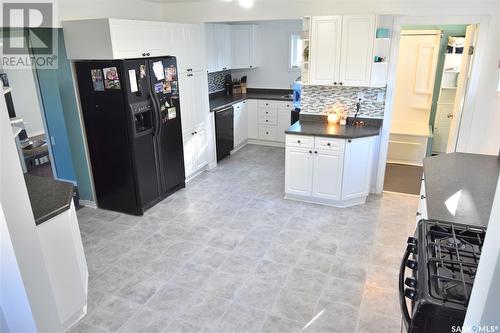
(246, 3)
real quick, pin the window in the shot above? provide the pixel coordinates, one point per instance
(295, 61)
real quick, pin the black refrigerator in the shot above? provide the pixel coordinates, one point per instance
(132, 120)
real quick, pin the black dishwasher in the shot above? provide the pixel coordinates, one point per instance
(224, 132)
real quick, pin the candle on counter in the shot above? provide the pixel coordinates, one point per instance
(333, 118)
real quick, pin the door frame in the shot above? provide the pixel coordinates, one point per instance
(483, 26)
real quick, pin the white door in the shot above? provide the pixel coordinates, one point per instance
(189, 143)
(324, 57)
(241, 48)
(463, 78)
(327, 174)
(298, 171)
(199, 98)
(253, 119)
(154, 39)
(127, 39)
(357, 171)
(186, 96)
(415, 76)
(356, 55)
(201, 153)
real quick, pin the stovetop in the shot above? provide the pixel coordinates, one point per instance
(452, 257)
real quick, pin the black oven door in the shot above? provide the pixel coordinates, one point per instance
(407, 285)
(224, 132)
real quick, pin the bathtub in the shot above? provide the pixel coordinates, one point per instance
(408, 142)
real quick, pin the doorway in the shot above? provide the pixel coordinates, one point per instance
(431, 82)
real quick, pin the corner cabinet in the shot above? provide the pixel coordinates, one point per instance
(243, 46)
(341, 50)
(328, 171)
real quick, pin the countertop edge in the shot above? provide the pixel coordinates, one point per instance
(338, 136)
(244, 98)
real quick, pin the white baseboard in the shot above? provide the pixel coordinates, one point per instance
(87, 203)
(197, 173)
(266, 143)
(327, 202)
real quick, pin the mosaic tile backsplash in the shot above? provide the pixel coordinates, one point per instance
(216, 81)
(316, 99)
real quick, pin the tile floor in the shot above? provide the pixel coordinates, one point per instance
(228, 254)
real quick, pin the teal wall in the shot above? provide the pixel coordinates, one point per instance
(60, 108)
(448, 30)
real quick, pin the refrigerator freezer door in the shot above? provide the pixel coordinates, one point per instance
(143, 121)
(164, 82)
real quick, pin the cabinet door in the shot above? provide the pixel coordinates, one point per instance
(211, 48)
(222, 46)
(189, 143)
(199, 95)
(154, 39)
(240, 124)
(357, 168)
(327, 174)
(298, 171)
(127, 39)
(253, 119)
(194, 46)
(357, 50)
(284, 120)
(201, 153)
(186, 96)
(242, 46)
(324, 51)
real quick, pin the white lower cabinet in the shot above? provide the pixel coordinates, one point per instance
(268, 120)
(298, 171)
(328, 171)
(240, 121)
(327, 175)
(195, 150)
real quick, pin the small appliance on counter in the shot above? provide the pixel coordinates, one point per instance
(228, 85)
(444, 262)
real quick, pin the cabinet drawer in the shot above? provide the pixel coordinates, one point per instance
(267, 132)
(266, 104)
(300, 141)
(329, 144)
(267, 120)
(267, 113)
(285, 105)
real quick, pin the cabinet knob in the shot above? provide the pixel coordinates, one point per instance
(147, 54)
(251, 66)
(298, 141)
(328, 144)
(340, 83)
(315, 151)
(418, 214)
(310, 152)
(144, 54)
(422, 197)
(224, 68)
(267, 132)
(349, 140)
(335, 83)
(267, 120)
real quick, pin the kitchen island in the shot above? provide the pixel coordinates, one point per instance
(327, 163)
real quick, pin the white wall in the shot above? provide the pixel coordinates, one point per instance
(273, 51)
(25, 99)
(484, 133)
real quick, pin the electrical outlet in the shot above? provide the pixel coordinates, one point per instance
(380, 97)
(360, 97)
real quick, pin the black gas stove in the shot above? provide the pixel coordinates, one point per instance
(443, 259)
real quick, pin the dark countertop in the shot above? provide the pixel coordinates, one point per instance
(48, 197)
(319, 128)
(220, 101)
(470, 178)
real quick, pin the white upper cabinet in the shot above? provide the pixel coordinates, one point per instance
(341, 50)
(356, 53)
(243, 45)
(218, 47)
(324, 55)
